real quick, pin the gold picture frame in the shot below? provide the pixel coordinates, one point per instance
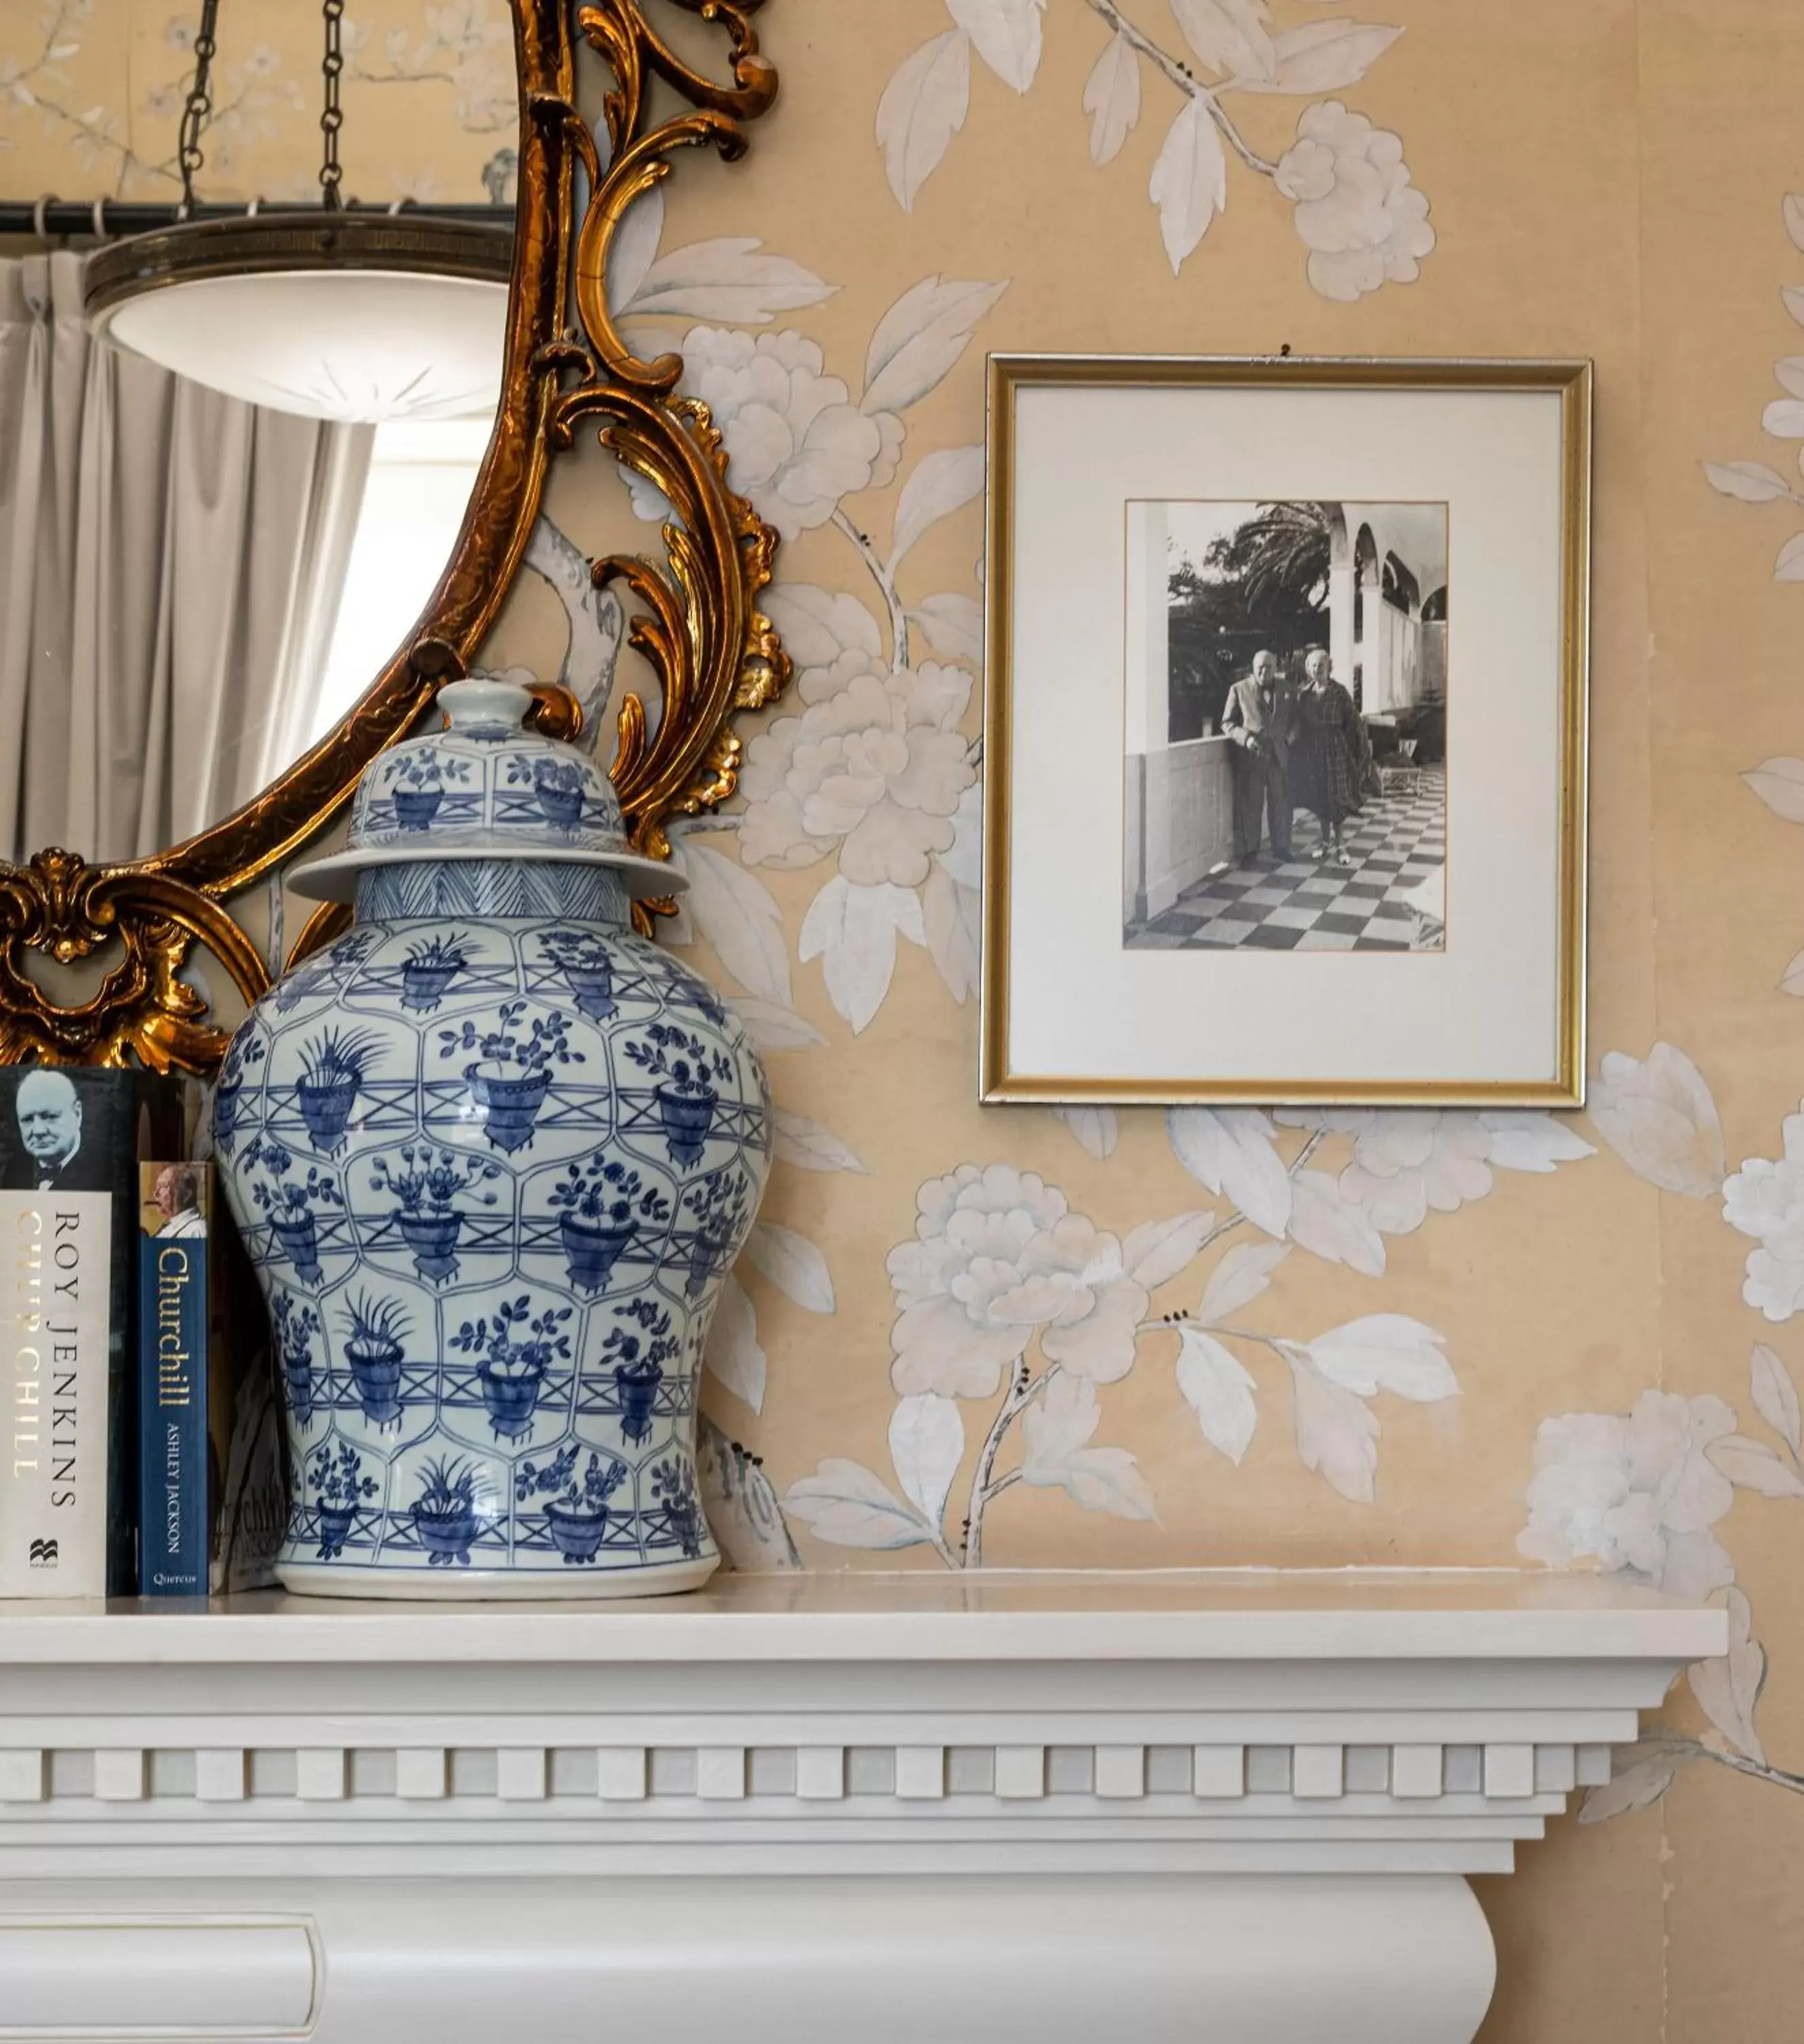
(128, 929)
(1005, 1075)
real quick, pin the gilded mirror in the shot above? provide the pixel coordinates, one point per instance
(207, 697)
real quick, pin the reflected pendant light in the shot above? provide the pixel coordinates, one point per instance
(330, 313)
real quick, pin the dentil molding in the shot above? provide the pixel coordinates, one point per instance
(887, 1808)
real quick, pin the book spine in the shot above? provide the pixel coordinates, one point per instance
(175, 1510)
(57, 1253)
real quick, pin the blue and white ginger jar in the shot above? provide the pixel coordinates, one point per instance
(491, 1154)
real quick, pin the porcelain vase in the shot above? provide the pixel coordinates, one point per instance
(491, 1154)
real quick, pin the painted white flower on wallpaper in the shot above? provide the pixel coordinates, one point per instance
(1008, 1298)
(867, 768)
(1643, 1493)
(1361, 221)
(1637, 1494)
(1765, 1200)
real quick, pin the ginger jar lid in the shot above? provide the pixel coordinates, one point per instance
(484, 787)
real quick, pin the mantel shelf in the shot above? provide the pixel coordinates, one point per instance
(1201, 1615)
(773, 1809)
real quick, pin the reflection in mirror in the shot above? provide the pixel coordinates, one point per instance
(235, 449)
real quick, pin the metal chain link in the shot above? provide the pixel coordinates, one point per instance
(332, 118)
(199, 103)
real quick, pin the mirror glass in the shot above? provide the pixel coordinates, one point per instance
(214, 533)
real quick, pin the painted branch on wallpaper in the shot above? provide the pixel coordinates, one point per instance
(1361, 221)
(1009, 1299)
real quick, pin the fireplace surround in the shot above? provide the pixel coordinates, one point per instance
(1236, 1806)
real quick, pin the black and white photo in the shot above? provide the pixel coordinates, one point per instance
(1285, 775)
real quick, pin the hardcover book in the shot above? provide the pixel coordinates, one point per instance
(175, 1485)
(70, 1139)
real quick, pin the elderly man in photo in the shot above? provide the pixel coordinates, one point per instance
(1259, 718)
(177, 1196)
(49, 1111)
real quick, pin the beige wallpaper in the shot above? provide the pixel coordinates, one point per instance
(1572, 1337)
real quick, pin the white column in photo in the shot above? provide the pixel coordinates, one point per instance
(1177, 798)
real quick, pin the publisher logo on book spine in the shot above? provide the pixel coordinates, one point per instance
(43, 1554)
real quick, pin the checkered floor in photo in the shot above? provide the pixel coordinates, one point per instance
(1395, 843)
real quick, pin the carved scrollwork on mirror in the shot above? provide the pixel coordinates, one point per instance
(693, 615)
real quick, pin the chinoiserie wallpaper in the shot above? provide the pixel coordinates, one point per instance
(1135, 1339)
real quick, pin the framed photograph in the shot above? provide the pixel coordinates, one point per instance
(1284, 737)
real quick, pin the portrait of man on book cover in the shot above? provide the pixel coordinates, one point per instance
(178, 1203)
(54, 1139)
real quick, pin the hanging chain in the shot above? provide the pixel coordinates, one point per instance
(332, 118)
(199, 104)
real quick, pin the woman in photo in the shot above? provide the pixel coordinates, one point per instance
(1332, 756)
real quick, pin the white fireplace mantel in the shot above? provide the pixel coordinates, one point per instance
(894, 1809)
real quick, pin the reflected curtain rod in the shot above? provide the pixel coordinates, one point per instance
(51, 219)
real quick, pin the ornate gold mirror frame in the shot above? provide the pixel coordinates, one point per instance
(711, 650)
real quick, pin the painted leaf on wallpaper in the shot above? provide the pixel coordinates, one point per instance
(733, 279)
(1789, 370)
(920, 338)
(742, 1510)
(843, 1502)
(733, 1355)
(772, 1027)
(1644, 1774)
(817, 625)
(1751, 1465)
(1775, 1396)
(1790, 565)
(952, 916)
(1232, 1150)
(943, 482)
(1111, 99)
(1385, 1352)
(1156, 1251)
(1729, 1689)
(854, 931)
(594, 616)
(1189, 184)
(807, 1144)
(1779, 783)
(1218, 1389)
(1322, 56)
(1336, 1432)
(1055, 1431)
(1328, 1224)
(1784, 419)
(1006, 34)
(1751, 481)
(793, 1265)
(735, 914)
(1239, 1279)
(953, 625)
(926, 1444)
(1523, 1142)
(634, 248)
(1659, 1117)
(1096, 1129)
(923, 107)
(1229, 35)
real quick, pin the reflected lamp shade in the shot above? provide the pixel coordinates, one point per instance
(351, 317)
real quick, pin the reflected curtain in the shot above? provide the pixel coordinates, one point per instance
(170, 565)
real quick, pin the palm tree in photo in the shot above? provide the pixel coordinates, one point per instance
(1278, 561)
